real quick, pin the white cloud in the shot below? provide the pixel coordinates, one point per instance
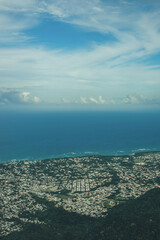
(109, 68)
(101, 100)
(131, 25)
(36, 99)
(83, 100)
(119, 18)
(24, 96)
(64, 100)
(104, 69)
(139, 99)
(17, 97)
(15, 17)
(131, 100)
(93, 100)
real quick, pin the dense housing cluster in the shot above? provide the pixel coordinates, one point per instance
(88, 185)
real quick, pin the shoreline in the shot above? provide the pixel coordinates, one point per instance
(80, 156)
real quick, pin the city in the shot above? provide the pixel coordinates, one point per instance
(88, 185)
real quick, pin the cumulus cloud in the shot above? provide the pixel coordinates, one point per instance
(130, 99)
(93, 100)
(36, 99)
(139, 99)
(83, 100)
(17, 97)
(101, 100)
(64, 100)
(133, 99)
(24, 96)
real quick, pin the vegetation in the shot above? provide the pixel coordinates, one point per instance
(137, 219)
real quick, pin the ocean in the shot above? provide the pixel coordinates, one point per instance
(40, 135)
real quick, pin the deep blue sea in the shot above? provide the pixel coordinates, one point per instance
(39, 135)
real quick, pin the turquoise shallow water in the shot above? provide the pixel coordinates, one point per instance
(39, 135)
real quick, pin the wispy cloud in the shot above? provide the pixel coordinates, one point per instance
(15, 17)
(120, 67)
(120, 18)
(57, 69)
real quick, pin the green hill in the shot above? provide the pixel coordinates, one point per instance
(137, 219)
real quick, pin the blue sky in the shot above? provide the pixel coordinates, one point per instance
(80, 54)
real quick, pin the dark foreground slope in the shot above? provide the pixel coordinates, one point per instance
(137, 219)
(58, 225)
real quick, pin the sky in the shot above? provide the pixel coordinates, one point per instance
(88, 54)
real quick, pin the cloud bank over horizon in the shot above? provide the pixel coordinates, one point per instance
(88, 52)
(17, 97)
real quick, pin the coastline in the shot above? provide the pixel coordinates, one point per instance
(84, 134)
(74, 155)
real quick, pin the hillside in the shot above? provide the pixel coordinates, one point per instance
(137, 219)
